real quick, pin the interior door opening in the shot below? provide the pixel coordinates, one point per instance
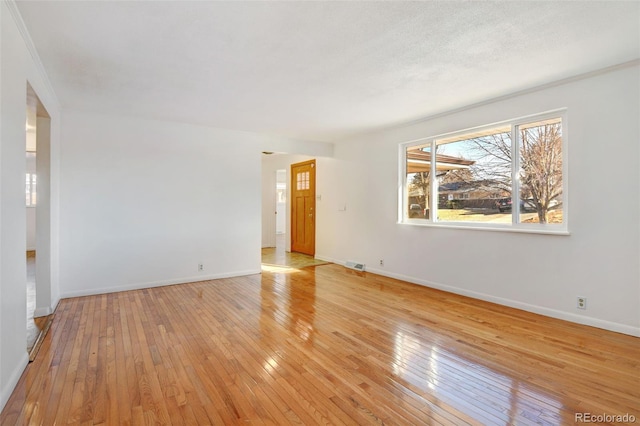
(38, 221)
(281, 209)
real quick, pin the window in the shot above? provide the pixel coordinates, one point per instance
(302, 181)
(31, 189)
(30, 182)
(505, 176)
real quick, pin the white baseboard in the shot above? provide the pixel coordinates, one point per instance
(329, 259)
(553, 313)
(9, 385)
(139, 286)
(541, 310)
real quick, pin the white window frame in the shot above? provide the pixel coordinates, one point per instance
(515, 225)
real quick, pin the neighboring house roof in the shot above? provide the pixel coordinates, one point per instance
(420, 161)
(478, 185)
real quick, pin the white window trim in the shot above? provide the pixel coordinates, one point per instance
(514, 226)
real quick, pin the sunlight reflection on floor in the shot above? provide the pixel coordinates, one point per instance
(278, 269)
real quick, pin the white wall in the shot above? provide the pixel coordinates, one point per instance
(44, 246)
(540, 273)
(143, 202)
(31, 228)
(18, 65)
(295, 147)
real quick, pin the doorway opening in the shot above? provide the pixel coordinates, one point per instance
(277, 254)
(281, 210)
(38, 220)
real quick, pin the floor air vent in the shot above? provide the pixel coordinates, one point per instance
(355, 265)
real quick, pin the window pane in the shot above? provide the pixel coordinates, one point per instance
(418, 187)
(541, 172)
(28, 189)
(474, 177)
(302, 181)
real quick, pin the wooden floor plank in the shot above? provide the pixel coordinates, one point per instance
(319, 345)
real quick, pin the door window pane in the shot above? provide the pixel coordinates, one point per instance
(302, 181)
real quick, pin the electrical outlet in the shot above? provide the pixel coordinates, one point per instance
(201, 266)
(581, 302)
(381, 262)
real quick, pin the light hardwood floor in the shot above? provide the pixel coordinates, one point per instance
(32, 327)
(36, 327)
(318, 345)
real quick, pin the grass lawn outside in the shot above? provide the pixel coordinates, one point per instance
(554, 216)
(469, 215)
(493, 216)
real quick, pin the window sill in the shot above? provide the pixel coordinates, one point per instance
(546, 230)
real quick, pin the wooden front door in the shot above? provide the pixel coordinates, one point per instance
(303, 207)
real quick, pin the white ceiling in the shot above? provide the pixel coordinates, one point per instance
(317, 70)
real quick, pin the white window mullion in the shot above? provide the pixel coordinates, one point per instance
(403, 204)
(433, 199)
(515, 175)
